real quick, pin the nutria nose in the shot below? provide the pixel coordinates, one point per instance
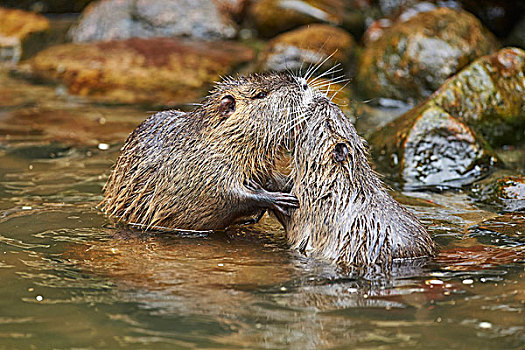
(304, 86)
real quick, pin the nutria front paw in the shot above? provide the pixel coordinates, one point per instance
(284, 201)
(278, 201)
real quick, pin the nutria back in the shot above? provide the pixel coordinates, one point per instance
(345, 215)
(191, 171)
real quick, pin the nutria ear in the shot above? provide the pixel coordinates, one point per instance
(227, 106)
(340, 152)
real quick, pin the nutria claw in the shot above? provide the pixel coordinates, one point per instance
(278, 201)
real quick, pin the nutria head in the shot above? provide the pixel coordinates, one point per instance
(345, 215)
(253, 117)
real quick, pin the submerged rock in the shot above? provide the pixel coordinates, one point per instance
(158, 71)
(21, 34)
(275, 16)
(442, 142)
(123, 19)
(505, 194)
(306, 47)
(412, 59)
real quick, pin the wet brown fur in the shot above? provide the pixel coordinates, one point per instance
(188, 170)
(345, 215)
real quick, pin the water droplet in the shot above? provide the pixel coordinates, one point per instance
(468, 281)
(39, 298)
(434, 282)
(103, 146)
(485, 325)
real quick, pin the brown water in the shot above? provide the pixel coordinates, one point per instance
(71, 279)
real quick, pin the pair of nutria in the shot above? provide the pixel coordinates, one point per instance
(216, 166)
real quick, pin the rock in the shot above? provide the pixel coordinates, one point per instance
(499, 16)
(48, 6)
(429, 147)
(21, 34)
(489, 95)
(236, 9)
(159, 71)
(122, 19)
(505, 193)
(308, 46)
(400, 11)
(276, 16)
(442, 142)
(412, 59)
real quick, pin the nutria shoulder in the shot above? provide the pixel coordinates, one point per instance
(196, 170)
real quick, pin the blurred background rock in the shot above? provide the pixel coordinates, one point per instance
(394, 53)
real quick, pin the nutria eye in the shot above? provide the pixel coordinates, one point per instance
(227, 105)
(261, 94)
(340, 152)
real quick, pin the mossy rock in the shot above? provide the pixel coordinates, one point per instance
(411, 59)
(447, 140)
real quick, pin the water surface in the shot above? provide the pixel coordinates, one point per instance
(73, 279)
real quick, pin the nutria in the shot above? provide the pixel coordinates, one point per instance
(345, 215)
(196, 170)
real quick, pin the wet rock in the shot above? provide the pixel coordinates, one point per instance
(505, 194)
(122, 19)
(489, 95)
(400, 11)
(442, 141)
(21, 34)
(306, 47)
(48, 6)
(429, 147)
(412, 59)
(158, 71)
(498, 15)
(275, 16)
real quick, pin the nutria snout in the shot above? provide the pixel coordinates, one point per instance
(196, 170)
(345, 215)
